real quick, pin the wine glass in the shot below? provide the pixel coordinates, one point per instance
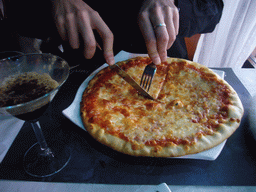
(39, 160)
(7, 54)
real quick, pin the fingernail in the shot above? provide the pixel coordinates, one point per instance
(109, 57)
(110, 61)
(156, 61)
(164, 58)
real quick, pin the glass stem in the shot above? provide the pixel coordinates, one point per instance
(41, 140)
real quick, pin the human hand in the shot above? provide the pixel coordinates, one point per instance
(159, 23)
(74, 18)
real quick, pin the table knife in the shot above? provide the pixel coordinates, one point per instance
(130, 80)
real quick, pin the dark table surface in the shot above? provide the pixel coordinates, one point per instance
(93, 162)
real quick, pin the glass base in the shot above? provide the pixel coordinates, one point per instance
(44, 163)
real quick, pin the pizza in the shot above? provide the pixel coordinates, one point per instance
(193, 110)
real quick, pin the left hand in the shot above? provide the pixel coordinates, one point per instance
(158, 38)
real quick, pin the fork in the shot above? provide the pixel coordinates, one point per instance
(147, 76)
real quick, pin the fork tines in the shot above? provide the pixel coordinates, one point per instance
(147, 76)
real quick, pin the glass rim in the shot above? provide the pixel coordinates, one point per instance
(45, 95)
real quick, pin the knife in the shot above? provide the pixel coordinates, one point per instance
(130, 80)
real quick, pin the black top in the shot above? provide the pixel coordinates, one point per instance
(34, 19)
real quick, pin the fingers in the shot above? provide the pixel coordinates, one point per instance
(172, 24)
(94, 21)
(107, 39)
(149, 37)
(76, 18)
(72, 33)
(159, 25)
(60, 24)
(161, 32)
(87, 34)
(156, 38)
(67, 26)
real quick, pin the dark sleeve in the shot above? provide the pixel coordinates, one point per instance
(32, 18)
(198, 16)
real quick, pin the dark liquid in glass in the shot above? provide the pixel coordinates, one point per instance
(22, 88)
(33, 115)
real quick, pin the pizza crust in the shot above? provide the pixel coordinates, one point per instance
(110, 138)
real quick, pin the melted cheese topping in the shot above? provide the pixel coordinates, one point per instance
(135, 70)
(190, 102)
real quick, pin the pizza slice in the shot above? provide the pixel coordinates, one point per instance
(135, 68)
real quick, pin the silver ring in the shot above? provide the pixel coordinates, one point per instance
(160, 25)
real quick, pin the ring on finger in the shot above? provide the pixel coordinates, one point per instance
(160, 25)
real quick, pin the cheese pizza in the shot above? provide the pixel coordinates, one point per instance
(194, 109)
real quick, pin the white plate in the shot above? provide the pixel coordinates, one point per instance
(73, 111)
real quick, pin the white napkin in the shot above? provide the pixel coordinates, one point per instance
(9, 129)
(73, 111)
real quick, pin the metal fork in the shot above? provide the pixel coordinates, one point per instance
(147, 76)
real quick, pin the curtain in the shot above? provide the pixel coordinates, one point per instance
(233, 39)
